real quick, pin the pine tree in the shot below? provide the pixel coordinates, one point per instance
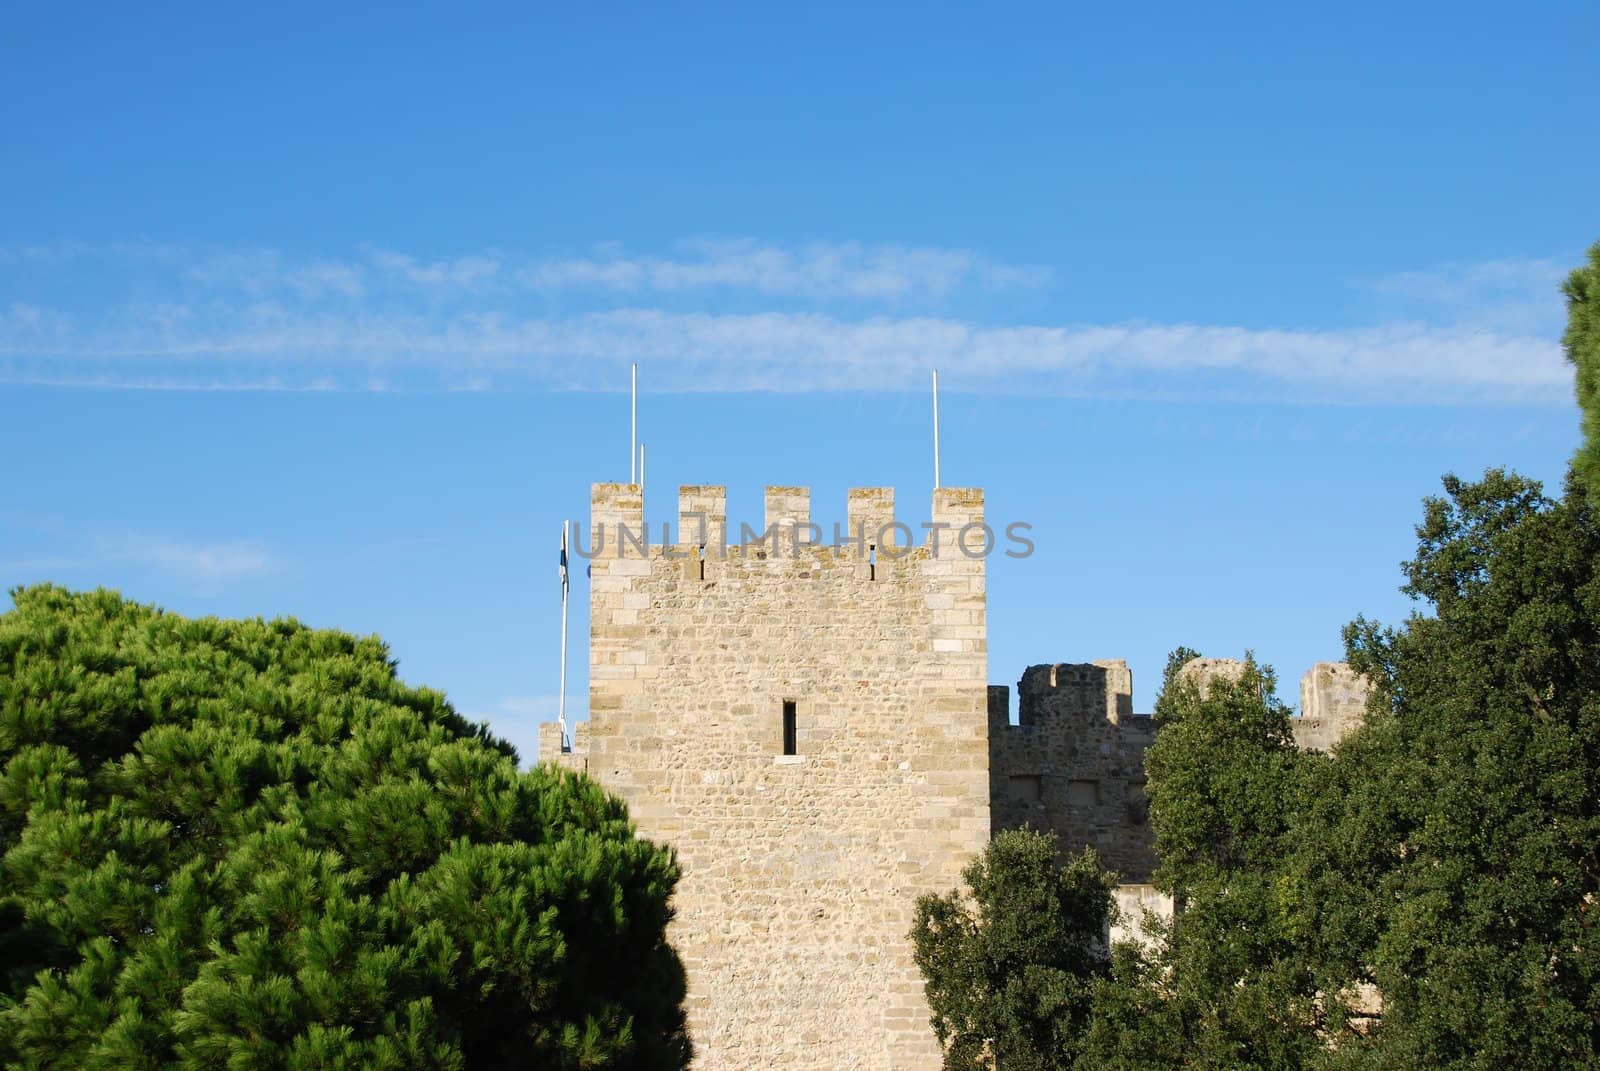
(248, 844)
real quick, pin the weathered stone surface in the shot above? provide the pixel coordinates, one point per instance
(1333, 700)
(1074, 763)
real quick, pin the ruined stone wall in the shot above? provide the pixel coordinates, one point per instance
(1074, 763)
(1333, 700)
(799, 871)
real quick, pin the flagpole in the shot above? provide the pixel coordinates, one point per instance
(562, 716)
(936, 483)
(633, 430)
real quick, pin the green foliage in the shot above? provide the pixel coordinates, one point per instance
(1220, 773)
(1582, 343)
(1225, 987)
(1011, 964)
(1462, 827)
(247, 844)
(1446, 858)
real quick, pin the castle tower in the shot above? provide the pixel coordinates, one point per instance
(807, 724)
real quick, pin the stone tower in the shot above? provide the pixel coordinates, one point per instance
(809, 724)
(806, 723)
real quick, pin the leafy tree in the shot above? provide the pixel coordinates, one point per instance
(1463, 827)
(1225, 986)
(1010, 964)
(1582, 343)
(247, 844)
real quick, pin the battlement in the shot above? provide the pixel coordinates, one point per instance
(1076, 689)
(550, 749)
(1333, 698)
(1333, 701)
(955, 524)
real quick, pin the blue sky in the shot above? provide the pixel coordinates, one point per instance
(330, 313)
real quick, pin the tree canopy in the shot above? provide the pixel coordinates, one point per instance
(1010, 962)
(1463, 825)
(1582, 343)
(249, 844)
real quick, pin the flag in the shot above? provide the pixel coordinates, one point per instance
(563, 558)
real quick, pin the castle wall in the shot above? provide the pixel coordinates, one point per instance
(800, 871)
(1075, 763)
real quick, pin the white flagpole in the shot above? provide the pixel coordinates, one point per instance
(633, 430)
(563, 702)
(936, 484)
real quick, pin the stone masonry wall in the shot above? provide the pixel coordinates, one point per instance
(799, 871)
(1075, 762)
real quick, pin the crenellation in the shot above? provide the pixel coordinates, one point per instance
(869, 517)
(788, 515)
(1205, 671)
(703, 516)
(613, 506)
(1102, 689)
(1074, 763)
(574, 756)
(956, 508)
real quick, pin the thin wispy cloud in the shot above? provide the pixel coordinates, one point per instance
(456, 273)
(259, 273)
(1510, 294)
(263, 321)
(274, 348)
(114, 553)
(848, 269)
(196, 561)
(817, 270)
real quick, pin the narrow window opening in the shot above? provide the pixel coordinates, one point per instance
(702, 561)
(789, 735)
(872, 561)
